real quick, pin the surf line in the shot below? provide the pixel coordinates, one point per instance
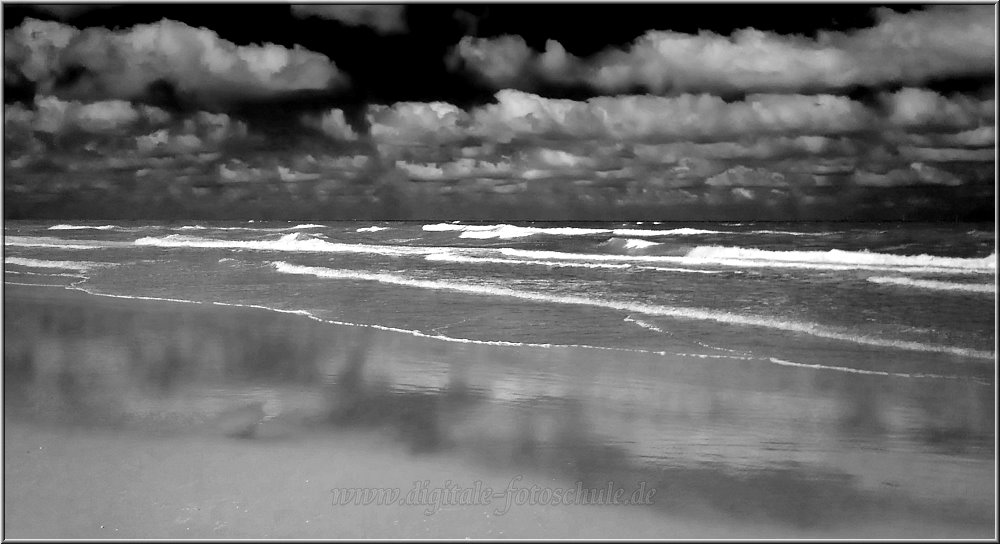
(76, 286)
(749, 356)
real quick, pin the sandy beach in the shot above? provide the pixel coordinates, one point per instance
(132, 419)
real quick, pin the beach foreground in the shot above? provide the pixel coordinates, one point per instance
(128, 418)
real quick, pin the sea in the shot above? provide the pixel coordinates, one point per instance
(868, 349)
(871, 296)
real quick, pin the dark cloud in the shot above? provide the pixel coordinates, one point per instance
(66, 11)
(383, 18)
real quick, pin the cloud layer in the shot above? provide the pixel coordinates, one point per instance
(903, 48)
(198, 65)
(687, 117)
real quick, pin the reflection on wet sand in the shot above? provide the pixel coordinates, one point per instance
(748, 441)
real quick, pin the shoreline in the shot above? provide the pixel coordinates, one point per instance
(146, 373)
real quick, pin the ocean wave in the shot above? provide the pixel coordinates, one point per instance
(42, 241)
(453, 258)
(626, 245)
(444, 227)
(788, 232)
(294, 242)
(684, 231)
(448, 256)
(686, 270)
(506, 232)
(935, 284)
(811, 329)
(638, 244)
(82, 227)
(252, 229)
(759, 258)
(80, 266)
(371, 229)
(841, 257)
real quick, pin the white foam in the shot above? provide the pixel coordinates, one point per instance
(667, 232)
(42, 241)
(840, 257)
(293, 242)
(788, 232)
(81, 227)
(758, 258)
(48, 275)
(443, 227)
(639, 244)
(506, 232)
(935, 284)
(851, 370)
(811, 329)
(252, 229)
(371, 229)
(80, 266)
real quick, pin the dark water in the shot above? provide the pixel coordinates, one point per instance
(780, 383)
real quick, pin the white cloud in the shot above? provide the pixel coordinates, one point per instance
(760, 148)
(196, 61)
(463, 168)
(903, 48)
(417, 122)
(54, 116)
(383, 18)
(685, 117)
(333, 124)
(760, 126)
(502, 61)
(201, 131)
(921, 108)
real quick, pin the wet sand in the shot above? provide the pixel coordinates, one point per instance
(129, 419)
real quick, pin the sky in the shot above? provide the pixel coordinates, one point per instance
(559, 112)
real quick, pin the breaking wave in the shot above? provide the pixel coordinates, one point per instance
(759, 258)
(294, 242)
(42, 241)
(82, 227)
(80, 266)
(506, 232)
